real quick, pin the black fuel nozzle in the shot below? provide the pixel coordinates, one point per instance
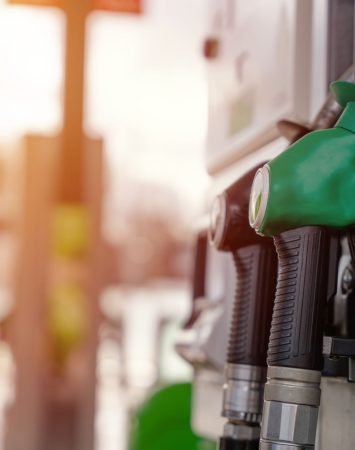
(229, 227)
(307, 259)
(256, 269)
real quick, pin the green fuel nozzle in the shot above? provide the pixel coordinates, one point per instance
(313, 181)
(303, 199)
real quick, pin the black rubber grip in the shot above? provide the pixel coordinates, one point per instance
(305, 257)
(226, 443)
(199, 272)
(351, 241)
(256, 267)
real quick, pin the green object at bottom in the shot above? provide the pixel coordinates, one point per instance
(163, 422)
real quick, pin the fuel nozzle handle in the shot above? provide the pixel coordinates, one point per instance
(255, 288)
(256, 269)
(301, 291)
(306, 278)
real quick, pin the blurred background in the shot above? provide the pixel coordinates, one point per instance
(103, 116)
(119, 122)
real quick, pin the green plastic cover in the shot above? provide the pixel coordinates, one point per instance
(313, 181)
(163, 422)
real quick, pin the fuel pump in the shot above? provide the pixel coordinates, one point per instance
(256, 266)
(304, 199)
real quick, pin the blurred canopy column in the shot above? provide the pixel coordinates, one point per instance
(58, 271)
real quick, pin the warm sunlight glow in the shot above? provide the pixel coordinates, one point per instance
(31, 59)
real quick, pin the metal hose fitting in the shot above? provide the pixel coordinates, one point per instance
(243, 393)
(290, 415)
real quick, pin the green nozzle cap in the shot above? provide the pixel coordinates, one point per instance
(343, 91)
(313, 181)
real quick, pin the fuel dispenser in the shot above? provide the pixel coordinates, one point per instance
(303, 199)
(256, 266)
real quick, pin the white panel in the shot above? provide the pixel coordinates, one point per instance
(250, 82)
(271, 64)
